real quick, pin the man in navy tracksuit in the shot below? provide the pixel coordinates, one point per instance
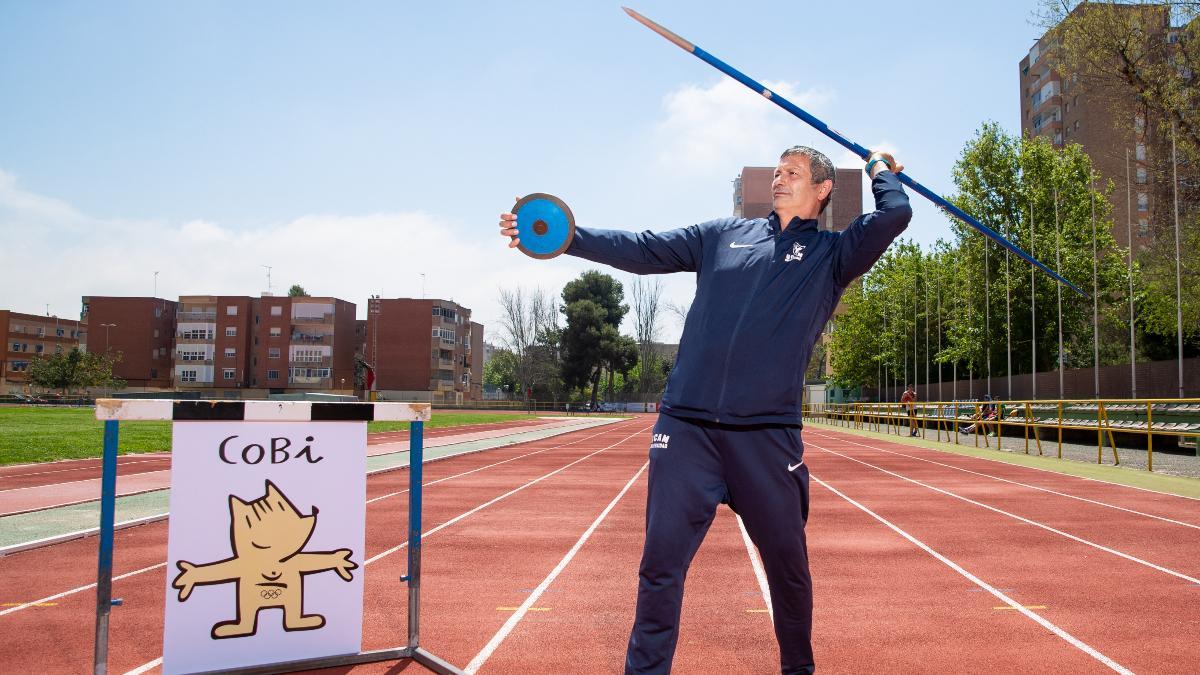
(730, 432)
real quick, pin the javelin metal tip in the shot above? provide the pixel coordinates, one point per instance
(679, 42)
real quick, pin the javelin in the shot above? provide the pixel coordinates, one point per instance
(845, 143)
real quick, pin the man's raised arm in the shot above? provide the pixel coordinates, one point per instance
(861, 244)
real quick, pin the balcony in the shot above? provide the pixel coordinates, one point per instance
(324, 319)
(307, 338)
(441, 385)
(320, 382)
(311, 363)
(1047, 103)
(193, 340)
(202, 316)
(192, 362)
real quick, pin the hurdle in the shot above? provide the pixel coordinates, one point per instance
(113, 411)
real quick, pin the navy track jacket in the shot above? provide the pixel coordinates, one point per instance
(762, 297)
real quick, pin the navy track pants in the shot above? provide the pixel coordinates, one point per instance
(694, 467)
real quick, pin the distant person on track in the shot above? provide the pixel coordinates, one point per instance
(730, 428)
(909, 397)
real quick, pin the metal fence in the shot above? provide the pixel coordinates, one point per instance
(1030, 425)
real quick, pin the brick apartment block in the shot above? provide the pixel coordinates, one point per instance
(28, 336)
(424, 350)
(141, 331)
(279, 344)
(1123, 144)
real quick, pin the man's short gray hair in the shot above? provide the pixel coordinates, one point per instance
(819, 165)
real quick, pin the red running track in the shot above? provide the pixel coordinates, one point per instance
(531, 556)
(20, 476)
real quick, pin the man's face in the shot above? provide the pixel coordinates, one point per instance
(792, 190)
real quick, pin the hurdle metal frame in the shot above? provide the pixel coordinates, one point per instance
(111, 411)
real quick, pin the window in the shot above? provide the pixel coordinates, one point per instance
(277, 310)
(59, 332)
(155, 332)
(276, 331)
(1139, 123)
(196, 334)
(231, 310)
(37, 349)
(1140, 152)
(1141, 175)
(272, 352)
(1143, 227)
(1143, 202)
(228, 373)
(18, 329)
(187, 376)
(16, 346)
(230, 352)
(18, 366)
(308, 355)
(1076, 125)
(231, 331)
(158, 312)
(465, 379)
(41, 331)
(272, 374)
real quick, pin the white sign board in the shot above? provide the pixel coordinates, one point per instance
(266, 538)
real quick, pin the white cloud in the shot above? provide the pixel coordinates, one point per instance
(708, 130)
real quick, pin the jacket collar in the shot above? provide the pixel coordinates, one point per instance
(795, 227)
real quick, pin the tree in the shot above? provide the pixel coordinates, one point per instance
(75, 370)
(591, 339)
(647, 299)
(1142, 60)
(881, 337)
(297, 291)
(501, 370)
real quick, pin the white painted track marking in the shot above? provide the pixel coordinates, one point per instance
(514, 491)
(1014, 516)
(1026, 485)
(488, 649)
(1071, 639)
(759, 572)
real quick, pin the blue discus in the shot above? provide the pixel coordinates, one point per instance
(545, 225)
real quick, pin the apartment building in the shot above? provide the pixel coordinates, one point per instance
(140, 331)
(212, 342)
(752, 196)
(29, 336)
(1112, 129)
(424, 350)
(270, 344)
(304, 343)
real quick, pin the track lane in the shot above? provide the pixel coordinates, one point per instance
(1114, 605)
(145, 591)
(1169, 547)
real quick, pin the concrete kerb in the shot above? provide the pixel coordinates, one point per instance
(34, 529)
(1174, 485)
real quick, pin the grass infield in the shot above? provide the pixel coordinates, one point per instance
(32, 434)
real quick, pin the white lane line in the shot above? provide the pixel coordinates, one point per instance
(759, 572)
(488, 503)
(80, 589)
(1014, 516)
(1026, 485)
(120, 465)
(64, 594)
(1059, 473)
(1071, 639)
(145, 667)
(536, 452)
(488, 649)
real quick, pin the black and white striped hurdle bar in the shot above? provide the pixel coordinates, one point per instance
(259, 411)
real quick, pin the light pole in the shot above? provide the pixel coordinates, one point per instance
(106, 326)
(1178, 286)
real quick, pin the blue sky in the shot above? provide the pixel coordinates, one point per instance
(355, 147)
